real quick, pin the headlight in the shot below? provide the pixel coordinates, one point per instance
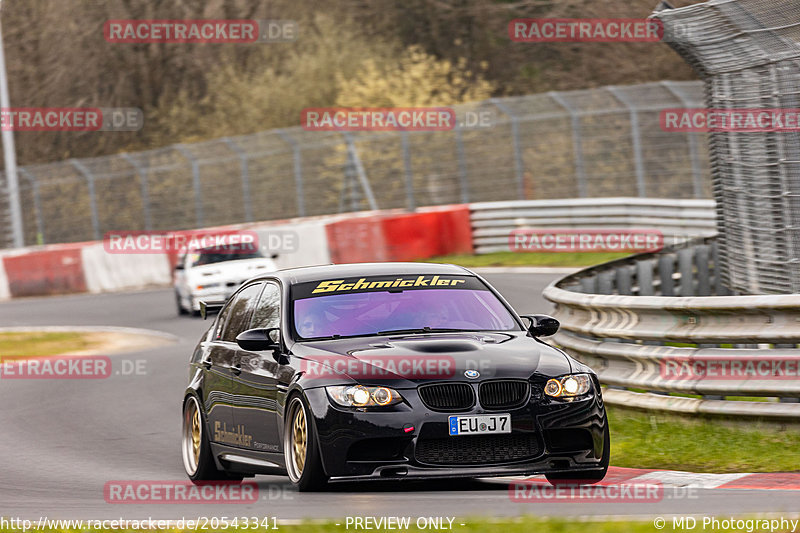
(569, 386)
(208, 286)
(361, 396)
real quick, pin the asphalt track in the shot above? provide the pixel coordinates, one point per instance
(61, 441)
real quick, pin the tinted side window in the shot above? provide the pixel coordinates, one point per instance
(239, 313)
(223, 317)
(268, 311)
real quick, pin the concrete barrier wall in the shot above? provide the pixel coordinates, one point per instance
(347, 238)
(353, 237)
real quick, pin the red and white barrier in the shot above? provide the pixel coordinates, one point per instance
(350, 238)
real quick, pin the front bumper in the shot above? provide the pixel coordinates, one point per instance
(369, 445)
(214, 294)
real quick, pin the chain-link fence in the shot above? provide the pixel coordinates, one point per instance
(748, 53)
(590, 143)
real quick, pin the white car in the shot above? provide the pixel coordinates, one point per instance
(213, 276)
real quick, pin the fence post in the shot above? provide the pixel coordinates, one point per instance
(519, 163)
(92, 199)
(245, 163)
(142, 172)
(636, 140)
(411, 202)
(37, 204)
(360, 173)
(462, 166)
(198, 192)
(298, 172)
(577, 141)
(694, 156)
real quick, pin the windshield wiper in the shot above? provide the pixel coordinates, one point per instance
(426, 329)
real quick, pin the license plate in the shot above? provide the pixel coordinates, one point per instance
(479, 425)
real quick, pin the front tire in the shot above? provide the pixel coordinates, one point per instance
(586, 477)
(301, 452)
(198, 461)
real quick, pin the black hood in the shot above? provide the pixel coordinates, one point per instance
(404, 361)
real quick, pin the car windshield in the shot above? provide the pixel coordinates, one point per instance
(397, 310)
(217, 255)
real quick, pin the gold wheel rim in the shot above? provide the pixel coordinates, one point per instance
(299, 440)
(196, 436)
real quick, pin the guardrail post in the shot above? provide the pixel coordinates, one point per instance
(297, 161)
(636, 140)
(686, 268)
(518, 161)
(198, 192)
(410, 201)
(577, 141)
(37, 204)
(92, 199)
(589, 285)
(644, 277)
(142, 172)
(666, 267)
(605, 283)
(624, 280)
(245, 165)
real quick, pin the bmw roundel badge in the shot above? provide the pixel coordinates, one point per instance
(472, 374)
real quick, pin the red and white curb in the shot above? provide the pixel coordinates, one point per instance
(671, 478)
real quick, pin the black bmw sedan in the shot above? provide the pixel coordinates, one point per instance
(386, 371)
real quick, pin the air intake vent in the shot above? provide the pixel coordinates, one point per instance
(477, 449)
(447, 396)
(504, 394)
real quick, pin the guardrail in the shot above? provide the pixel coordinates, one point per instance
(654, 325)
(493, 222)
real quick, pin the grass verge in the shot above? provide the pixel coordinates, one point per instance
(672, 442)
(510, 259)
(42, 343)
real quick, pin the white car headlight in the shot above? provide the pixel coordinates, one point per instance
(569, 386)
(361, 396)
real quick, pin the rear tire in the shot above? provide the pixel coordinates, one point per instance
(586, 477)
(301, 452)
(198, 461)
(179, 304)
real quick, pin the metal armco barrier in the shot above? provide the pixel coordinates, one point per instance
(493, 222)
(639, 320)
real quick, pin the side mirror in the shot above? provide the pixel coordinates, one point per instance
(259, 339)
(210, 308)
(542, 325)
